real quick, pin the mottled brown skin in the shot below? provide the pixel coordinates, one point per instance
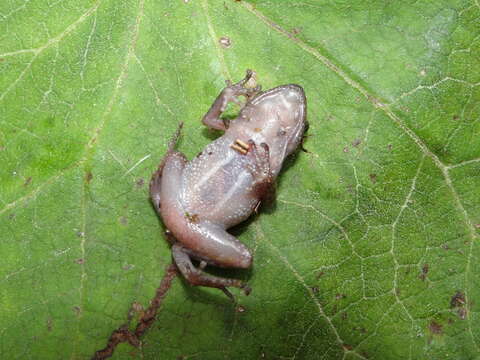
(200, 199)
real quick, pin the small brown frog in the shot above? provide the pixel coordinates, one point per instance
(200, 199)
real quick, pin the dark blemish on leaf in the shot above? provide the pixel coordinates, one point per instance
(240, 309)
(435, 328)
(344, 316)
(347, 347)
(356, 142)
(424, 273)
(345, 149)
(80, 234)
(373, 178)
(80, 261)
(137, 307)
(315, 289)
(462, 313)
(11, 216)
(397, 291)
(296, 30)
(27, 181)
(458, 300)
(389, 147)
(77, 310)
(340, 296)
(140, 182)
(49, 324)
(364, 354)
(225, 42)
(456, 117)
(123, 220)
(445, 247)
(123, 334)
(88, 177)
(199, 154)
(127, 267)
(320, 274)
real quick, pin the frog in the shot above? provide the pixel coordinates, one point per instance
(199, 200)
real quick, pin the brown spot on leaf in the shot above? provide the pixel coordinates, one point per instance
(458, 300)
(462, 313)
(315, 289)
(373, 178)
(77, 310)
(320, 274)
(347, 347)
(80, 261)
(123, 334)
(435, 328)
(240, 309)
(424, 273)
(340, 296)
(225, 42)
(88, 177)
(390, 147)
(140, 182)
(27, 181)
(123, 220)
(344, 316)
(345, 149)
(49, 324)
(455, 117)
(356, 142)
(296, 30)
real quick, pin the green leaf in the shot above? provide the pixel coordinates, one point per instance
(372, 250)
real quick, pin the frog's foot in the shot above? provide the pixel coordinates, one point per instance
(156, 181)
(246, 87)
(259, 167)
(197, 277)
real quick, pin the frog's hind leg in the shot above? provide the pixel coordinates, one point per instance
(156, 181)
(197, 277)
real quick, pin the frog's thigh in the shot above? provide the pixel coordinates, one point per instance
(197, 277)
(156, 181)
(218, 247)
(170, 180)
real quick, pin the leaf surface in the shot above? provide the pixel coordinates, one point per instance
(371, 251)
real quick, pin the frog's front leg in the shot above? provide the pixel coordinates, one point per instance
(229, 94)
(197, 277)
(263, 178)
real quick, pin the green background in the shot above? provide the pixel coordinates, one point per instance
(375, 230)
